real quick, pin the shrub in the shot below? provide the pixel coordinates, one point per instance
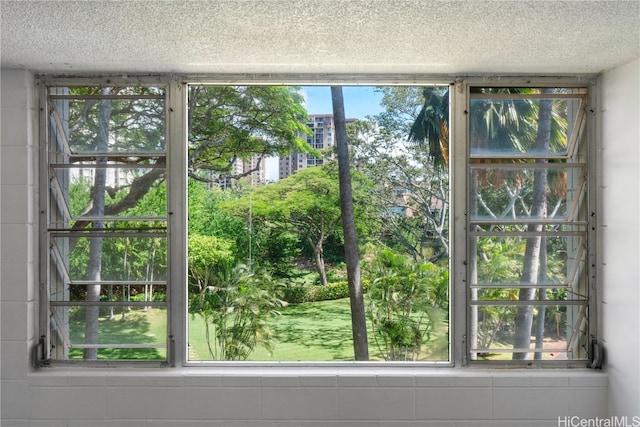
(331, 291)
(296, 294)
(400, 297)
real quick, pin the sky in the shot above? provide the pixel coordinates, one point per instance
(359, 102)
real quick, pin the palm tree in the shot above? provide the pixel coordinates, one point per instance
(500, 125)
(431, 127)
(520, 127)
(358, 316)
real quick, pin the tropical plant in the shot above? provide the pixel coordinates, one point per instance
(401, 296)
(234, 302)
(510, 125)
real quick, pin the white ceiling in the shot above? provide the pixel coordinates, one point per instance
(320, 36)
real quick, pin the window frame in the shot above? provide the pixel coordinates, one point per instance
(176, 154)
(462, 124)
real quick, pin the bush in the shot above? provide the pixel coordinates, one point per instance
(331, 291)
(296, 294)
(401, 296)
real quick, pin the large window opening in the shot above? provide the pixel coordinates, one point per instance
(266, 263)
(196, 223)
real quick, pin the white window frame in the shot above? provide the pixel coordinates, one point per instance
(177, 201)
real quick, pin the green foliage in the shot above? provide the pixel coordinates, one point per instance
(306, 204)
(332, 291)
(208, 256)
(401, 297)
(296, 294)
(254, 242)
(237, 122)
(234, 302)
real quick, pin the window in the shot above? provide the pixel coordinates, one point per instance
(169, 242)
(106, 222)
(279, 247)
(528, 221)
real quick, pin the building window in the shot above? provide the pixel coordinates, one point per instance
(106, 222)
(528, 221)
(164, 244)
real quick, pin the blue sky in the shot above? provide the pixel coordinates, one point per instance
(359, 101)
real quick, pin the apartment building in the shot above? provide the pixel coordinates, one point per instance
(322, 139)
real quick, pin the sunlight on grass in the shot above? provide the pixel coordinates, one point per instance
(319, 331)
(137, 326)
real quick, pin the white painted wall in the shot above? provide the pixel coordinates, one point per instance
(619, 236)
(255, 397)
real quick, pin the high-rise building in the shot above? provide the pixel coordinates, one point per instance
(322, 139)
(252, 169)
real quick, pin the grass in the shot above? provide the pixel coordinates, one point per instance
(138, 326)
(319, 331)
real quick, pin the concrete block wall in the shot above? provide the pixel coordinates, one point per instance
(619, 235)
(18, 238)
(254, 397)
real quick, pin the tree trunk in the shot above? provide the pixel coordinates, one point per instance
(319, 254)
(542, 296)
(531, 266)
(352, 258)
(94, 267)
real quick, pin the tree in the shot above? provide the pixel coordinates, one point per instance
(431, 127)
(230, 123)
(305, 203)
(535, 255)
(352, 258)
(521, 127)
(94, 267)
(101, 128)
(411, 194)
(234, 302)
(226, 123)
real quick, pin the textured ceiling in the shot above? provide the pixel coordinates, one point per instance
(320, 36)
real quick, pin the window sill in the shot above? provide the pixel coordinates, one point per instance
(321, 376)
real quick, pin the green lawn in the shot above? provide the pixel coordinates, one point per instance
(319, 331)
(138, 326)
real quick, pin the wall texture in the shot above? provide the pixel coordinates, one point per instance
(619, 236)
(310, 397)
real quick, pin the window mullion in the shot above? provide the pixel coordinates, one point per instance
(177, 209)
(459, 222)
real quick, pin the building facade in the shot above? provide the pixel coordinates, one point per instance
(322, 139)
